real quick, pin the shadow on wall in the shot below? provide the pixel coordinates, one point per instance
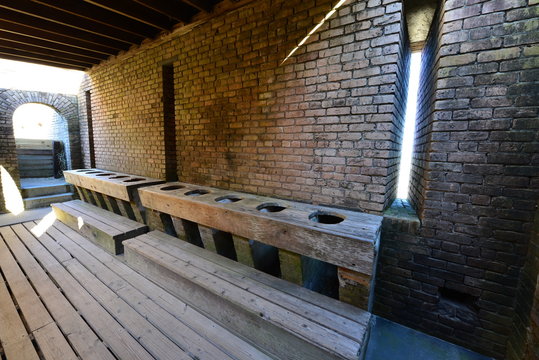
(12, 195)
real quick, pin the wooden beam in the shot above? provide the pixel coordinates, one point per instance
(44, 25)
(203, 5)
(9, 56)
(51, 58)
(46, 51)
(30, 41)
(53, 15)
(100, 15)
(136, 12)
(21, 29)
(174, 9)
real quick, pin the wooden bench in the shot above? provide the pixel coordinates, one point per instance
(284, 319)
(209, 217)
(101, 226)
(111, 190)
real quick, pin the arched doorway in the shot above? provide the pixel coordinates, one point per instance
(42, 141)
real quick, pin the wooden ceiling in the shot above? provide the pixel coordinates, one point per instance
(78, 34)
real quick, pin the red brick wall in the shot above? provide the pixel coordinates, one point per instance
(323, 127)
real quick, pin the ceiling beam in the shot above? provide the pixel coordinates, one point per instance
(100, 15)
(40, 24)
(54, 37)
(202, 5)
(7, 44)
(135, 11)
(13, 55)
(50, 14)
(26, 40)
(174, 9)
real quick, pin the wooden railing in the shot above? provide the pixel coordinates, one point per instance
(233, 224)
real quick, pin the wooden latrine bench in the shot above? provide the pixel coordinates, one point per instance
(229, 222)
(284, 320)
(111, 190)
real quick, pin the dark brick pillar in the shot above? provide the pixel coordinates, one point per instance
(475, 177)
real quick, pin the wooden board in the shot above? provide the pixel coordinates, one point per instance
(34, 144)
(349, 244)
(117, 185)
(244, 277)
(13, 335)
(240, 308)
(218, 335)
(79, 334)
(121, 343)
(101, 226)
(180, 333)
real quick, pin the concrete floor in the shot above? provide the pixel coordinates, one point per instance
(391, 341)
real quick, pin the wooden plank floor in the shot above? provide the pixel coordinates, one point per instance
(62, 297)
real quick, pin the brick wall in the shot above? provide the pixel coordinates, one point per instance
(524, 340)
(10, 100)
(475, 182)
(323, 127)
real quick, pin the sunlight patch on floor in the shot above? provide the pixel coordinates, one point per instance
(45, 223)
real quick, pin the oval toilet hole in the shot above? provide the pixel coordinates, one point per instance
(119, 177)
(196, 192)
(323, 217)
(270, 207)
(105, 174)
(83, 170)
(227, 199)
(94, 172)
(172, 187)
(135, 179)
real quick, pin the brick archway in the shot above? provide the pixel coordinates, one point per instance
(10, 100)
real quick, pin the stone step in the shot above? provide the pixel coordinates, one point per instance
(42, 190)
(45, 200)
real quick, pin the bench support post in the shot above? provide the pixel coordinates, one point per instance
(291, 266)
(243, 250)
(354, 287)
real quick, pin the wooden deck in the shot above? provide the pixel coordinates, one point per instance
(62, 297)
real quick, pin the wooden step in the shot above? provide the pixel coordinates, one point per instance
(194, 332)
(288, 321)
(45, 200)
(100, 226)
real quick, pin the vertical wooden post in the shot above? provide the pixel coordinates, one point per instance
(166, 221)
(243, 250)
(99, 199)
(153, 220)
(180, 229)
(112, 204)
(127, 210)
(106, 201)
(137, 213)
(206, 235)
(354, 288)
(79, 192)
(291, 267)
(88, 195)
